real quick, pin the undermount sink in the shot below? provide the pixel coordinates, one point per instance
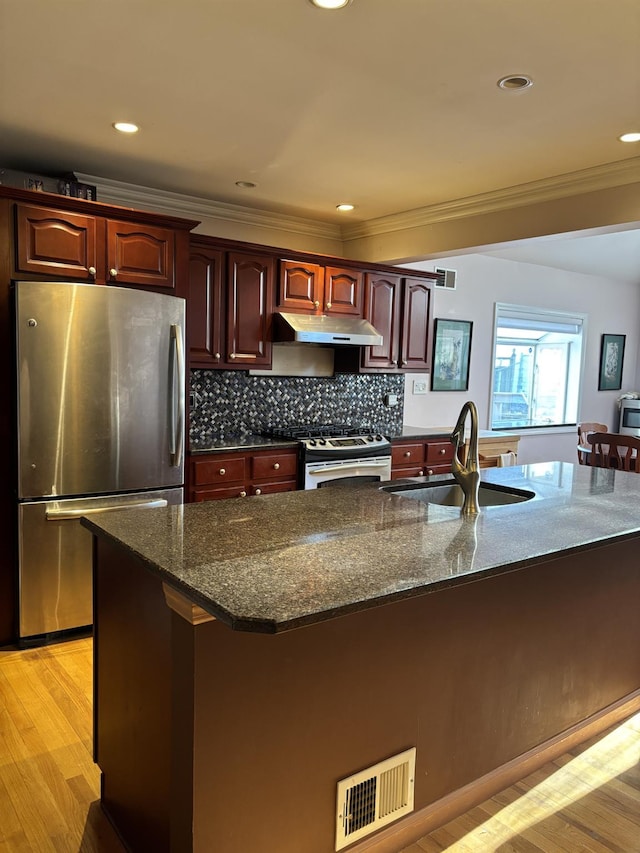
(450, 494)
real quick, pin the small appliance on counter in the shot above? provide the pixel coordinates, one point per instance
(101, 420)
(630, 416)
(333, 454)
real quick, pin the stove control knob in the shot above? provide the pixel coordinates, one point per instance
(312, 442)
(379, 438)
(322, 441)
(371, 438)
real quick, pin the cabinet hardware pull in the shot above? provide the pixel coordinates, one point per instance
(407, 453)
(443, 450)
(429, 471)
(328, 306)
(421, 473)
(316, 304)
(276, 466)
(258, 491)
(232, 355)
(217, 356)
(243, 494)
(223, 471)
(92, 272)
(113, 273)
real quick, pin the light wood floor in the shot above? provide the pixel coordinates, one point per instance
(588, 801)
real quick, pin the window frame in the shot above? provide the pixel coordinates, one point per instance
(550, 315)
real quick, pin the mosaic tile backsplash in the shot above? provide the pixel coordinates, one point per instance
(232, 403)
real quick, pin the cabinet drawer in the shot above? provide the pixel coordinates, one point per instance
(198, 495)
(409, 471)
(272, 488)
(219, 470)
(438, 451)
(407, 454)
(437, 469)
(274, 466)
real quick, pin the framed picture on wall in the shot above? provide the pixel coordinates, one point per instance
(451, 354)
(611, 360)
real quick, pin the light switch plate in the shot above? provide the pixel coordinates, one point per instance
(419, 386)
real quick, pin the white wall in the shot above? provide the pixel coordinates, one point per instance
(612, 308)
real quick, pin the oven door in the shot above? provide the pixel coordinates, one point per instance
(346, 472)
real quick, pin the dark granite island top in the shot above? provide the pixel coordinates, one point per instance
(273, 563)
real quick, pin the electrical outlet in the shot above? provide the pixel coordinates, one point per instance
(391, 399)
(419, 386)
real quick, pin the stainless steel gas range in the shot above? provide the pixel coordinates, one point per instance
(333, 454)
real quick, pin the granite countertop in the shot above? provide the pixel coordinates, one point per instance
(277, 562)
(241, 442)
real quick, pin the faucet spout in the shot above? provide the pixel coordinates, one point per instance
(467, 473)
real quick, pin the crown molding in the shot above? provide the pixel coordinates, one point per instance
(193, 207)
(573, 183)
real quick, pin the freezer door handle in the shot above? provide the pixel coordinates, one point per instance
(176, 396)
(70, 514)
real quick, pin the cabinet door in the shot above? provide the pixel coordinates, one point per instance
(343, 291)
(249, 295)
(140, 254)
(415, 351)
(300, 287)
(204, 307)
(382, 308)
(56, 243)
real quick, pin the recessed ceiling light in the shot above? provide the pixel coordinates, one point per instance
(126, 127)
(245, 185)
(330, 4)
(345, 206)
(629, 137)
(515, 82)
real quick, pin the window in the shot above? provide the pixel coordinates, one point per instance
(537, 367)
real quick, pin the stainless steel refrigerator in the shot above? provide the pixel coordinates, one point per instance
(101, 424)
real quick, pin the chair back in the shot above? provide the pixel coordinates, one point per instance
(584, 429)
(613, 450)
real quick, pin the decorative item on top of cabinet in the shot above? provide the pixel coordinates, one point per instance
(400, 309)
(313, 288)
(418, 457)
(84, 247)
(216, 476)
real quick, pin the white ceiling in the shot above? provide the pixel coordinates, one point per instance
(390, 104)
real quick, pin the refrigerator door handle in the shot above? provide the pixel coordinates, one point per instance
(176, 397)
(70, 514)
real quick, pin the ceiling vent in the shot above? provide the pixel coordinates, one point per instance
(446, 278)
(375, 797)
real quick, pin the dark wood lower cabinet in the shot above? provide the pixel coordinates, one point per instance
(218, 476)
(420, 457)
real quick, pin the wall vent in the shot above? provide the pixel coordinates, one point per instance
(446, 278)
(374, 797)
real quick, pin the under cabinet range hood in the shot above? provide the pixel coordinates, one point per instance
(325, 329)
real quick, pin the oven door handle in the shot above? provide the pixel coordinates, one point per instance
(345, 466)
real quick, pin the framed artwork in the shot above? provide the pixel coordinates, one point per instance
(451, 354)
(611, 359)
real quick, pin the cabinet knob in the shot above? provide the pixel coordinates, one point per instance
(113, 273)
(429, 471)
(328, 306)
(421, 473)
(243, 494)
(223, 471)
(92, 272)
(407, 453)
(276, 466)
(316, 304)
(217, 356)
(258, 491)
(443, 450)
(402, 363)
(232, 355)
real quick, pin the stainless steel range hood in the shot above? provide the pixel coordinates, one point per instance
(323, 329)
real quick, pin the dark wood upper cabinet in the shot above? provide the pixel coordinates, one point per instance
(415, 348)
(56, 243)
(313, 288)
(249, 295)
(66, 245)
(205, 307)
(140, 254)
(382, 309)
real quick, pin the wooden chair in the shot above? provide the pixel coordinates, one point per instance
(613, 450)
(583, 446)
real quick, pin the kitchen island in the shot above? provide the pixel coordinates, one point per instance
(250, 654)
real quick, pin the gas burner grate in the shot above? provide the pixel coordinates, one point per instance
(313, 431)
